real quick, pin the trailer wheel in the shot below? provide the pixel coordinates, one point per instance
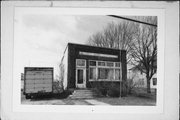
(28, 96)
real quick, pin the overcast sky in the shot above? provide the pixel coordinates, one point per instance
(40, 39)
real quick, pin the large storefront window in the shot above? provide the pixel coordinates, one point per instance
(102, 73)
(105, 73)
(104, 70)
(117, 74)
(92, 73)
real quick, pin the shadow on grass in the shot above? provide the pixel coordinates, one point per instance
(53, 96)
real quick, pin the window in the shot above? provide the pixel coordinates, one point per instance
(92, 73)
(102, 73)
(142, 81)
(154, 81)
(105, 73)
(117, 64)
(101, 64)
(80, 62)
(104, 70)
(117, 74)
(110, 64)
(110, 74)
(92, 63)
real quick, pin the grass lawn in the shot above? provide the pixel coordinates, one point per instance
(138, 99)
(130, 100)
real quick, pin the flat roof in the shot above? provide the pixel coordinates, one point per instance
(95, 46)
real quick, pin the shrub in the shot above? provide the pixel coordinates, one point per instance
(113, 90)
(66, 93)
(110, 89)
(57, 87)
(103, 91)
(130, 85)
(62, 95)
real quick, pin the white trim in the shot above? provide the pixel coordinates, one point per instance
(83, 85)
(84, 74)
(105, 80)
(98, 54)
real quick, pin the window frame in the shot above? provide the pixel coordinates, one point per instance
(119, 74)
(78, 65)
(92, 67)
(154, 80)
(114, 67)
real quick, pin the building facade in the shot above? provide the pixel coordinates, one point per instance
(84, 66)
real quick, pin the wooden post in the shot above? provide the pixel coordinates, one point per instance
(120, 75)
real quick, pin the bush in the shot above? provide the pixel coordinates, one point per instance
(103, 91)
(113, 92)
(100, 88)
(111, 89)
(63, 94)
(57, 87)
(66, 93)
(130, 85)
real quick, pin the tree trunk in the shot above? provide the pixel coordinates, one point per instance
(148, 84)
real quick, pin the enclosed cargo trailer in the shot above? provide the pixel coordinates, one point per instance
(38, 81)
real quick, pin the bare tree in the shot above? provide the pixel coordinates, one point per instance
(144, 49)
(139, 41)
(116, 36)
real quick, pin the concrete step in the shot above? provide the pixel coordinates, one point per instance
(84, 93)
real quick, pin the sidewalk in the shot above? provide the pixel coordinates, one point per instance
(95, 102)
(64, 102)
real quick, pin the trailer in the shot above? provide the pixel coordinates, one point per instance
(38, 81)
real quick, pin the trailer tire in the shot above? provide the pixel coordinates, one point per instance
(28, 96)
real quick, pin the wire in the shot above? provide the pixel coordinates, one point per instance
(132, 20)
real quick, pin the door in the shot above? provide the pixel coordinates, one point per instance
(80, 78)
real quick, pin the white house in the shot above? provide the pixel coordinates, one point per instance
(139, 78)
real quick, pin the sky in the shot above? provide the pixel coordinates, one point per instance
(40, 39)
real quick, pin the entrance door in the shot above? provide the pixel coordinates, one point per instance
(81, 78)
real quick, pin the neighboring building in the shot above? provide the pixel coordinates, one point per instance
(22, 81)
(84, 66)
(139, 78)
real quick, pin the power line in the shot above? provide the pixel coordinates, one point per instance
(133, 20)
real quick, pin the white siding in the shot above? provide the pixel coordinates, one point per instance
(153, 86)
(65, 62)
(137, 77)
